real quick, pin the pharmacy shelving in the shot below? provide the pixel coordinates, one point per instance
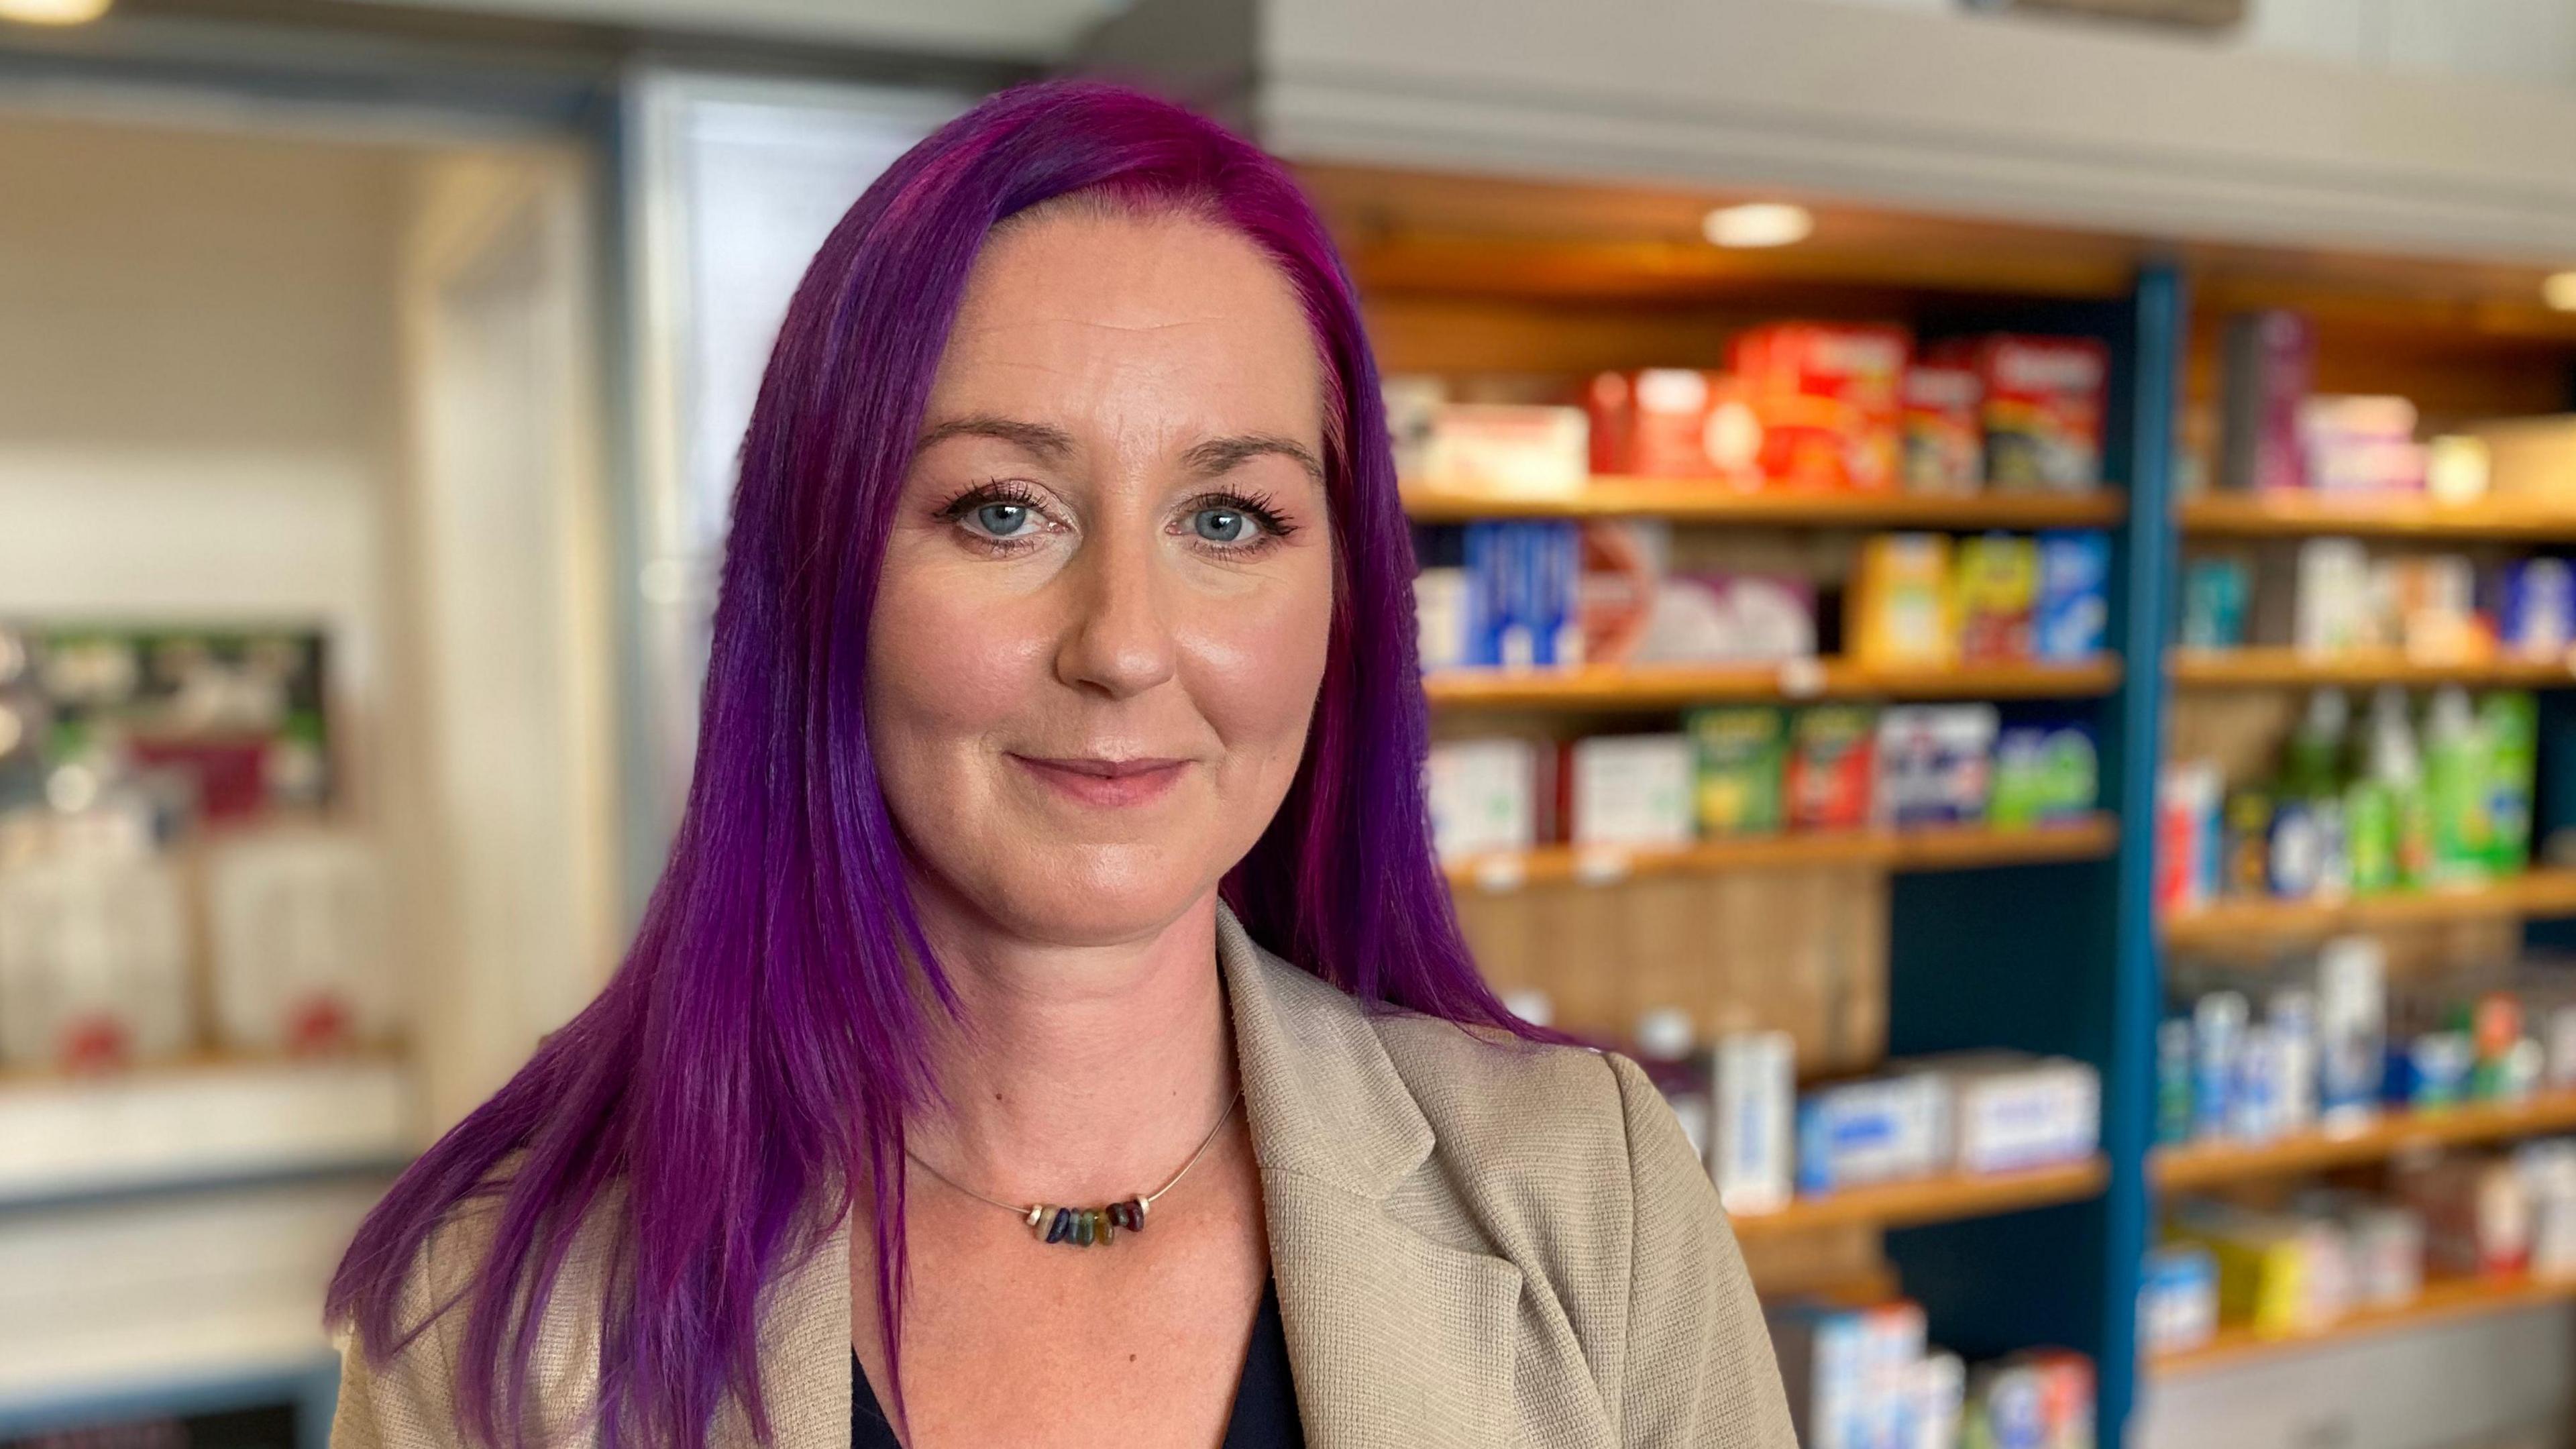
(1666, 686)
(2297, 515)
(2533, 894)
(2442, 1301)
(1684, 501)
(2037, 940)
(1948, 1198)
(2262, 667)
(2390, 1134)
(202, 1120)
(1928, 848)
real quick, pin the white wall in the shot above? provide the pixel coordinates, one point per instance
(2531, 42)
(197, 379)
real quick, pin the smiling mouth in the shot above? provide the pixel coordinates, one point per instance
(1105, 782)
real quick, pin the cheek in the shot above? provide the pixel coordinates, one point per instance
(945, 662)
(1256, 665)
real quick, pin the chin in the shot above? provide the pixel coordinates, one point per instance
(1097, 895)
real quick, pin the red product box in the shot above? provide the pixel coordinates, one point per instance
(2044, 403)
(1944, 437)
(1826, 396)
(1833, 760)
(1673, 422)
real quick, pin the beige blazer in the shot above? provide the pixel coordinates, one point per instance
(1475, 1244)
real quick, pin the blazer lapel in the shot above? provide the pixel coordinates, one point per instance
(1395, 1339)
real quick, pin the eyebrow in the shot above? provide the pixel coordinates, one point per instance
(1222, 455)
(1213, 458)
(1052, 444)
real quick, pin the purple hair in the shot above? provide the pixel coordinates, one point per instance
(756, 1054)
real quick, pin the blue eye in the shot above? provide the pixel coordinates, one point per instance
(1222, 525)
(1002, 520)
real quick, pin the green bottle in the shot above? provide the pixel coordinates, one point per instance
(2384, 814)
(2510, 720)
(2455, 777)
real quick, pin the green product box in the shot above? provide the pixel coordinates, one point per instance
(1742, 753)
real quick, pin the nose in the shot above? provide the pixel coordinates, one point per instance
(1119, 640)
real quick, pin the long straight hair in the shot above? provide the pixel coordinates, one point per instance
(750, 1066)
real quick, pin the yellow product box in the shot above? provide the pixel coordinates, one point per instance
(2277, 1275)
(1899, 610)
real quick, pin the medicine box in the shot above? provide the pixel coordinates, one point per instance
(2011, 1111)
(1634, 790)
(1881, 1129)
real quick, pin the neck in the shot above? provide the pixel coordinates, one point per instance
(1076, 1074)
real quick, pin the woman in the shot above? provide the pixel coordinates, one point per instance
(1055, 918)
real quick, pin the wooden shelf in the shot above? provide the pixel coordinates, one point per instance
(2205, 1164)
(2442, 1301)
(1664, 686)
(2283, 515)
(1931, 1200)
(214, 1119)
(1690, 501)
(1959, 847)
(2544, 892)
(2276, 668)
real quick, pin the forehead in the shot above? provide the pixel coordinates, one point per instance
(1166, 322)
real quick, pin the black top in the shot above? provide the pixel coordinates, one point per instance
(1265, 1398)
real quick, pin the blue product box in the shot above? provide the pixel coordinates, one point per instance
(1879, 1130)
(1524, 583)
(2537, 611)
(2072, 616)
(2215, 592)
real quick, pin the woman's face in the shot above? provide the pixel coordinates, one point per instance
(1101, 622)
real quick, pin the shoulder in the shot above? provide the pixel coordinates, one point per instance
(1570, 1163)
(1575, 1136)
(405, 1392)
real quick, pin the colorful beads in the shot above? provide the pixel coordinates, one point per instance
(1083, 1227)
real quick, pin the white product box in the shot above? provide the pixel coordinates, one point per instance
(1849, 1372)
(301, 959)
(1506, 448)
(1634, 790)
(1483, 796)
(1752, 1156)
(2010, 1111)
(2331, 610)
(1440, 612)
(1939, 1391)
(93, 961)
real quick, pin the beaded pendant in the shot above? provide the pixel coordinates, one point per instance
(1083, 1227)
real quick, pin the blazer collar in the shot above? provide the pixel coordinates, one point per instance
(1392, 1334)
(1321, 1096)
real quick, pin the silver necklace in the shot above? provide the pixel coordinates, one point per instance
(1083, 1227)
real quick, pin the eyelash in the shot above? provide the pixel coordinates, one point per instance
(1262, 510)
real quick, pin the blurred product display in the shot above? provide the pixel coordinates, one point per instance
(167, 843)
(1861, 1377)
(1738, 771)
(2430, 794)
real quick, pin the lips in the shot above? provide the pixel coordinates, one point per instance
(1104, 782)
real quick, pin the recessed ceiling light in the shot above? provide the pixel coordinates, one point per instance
(53, 12)
(2558, 289)
(1758, 224)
